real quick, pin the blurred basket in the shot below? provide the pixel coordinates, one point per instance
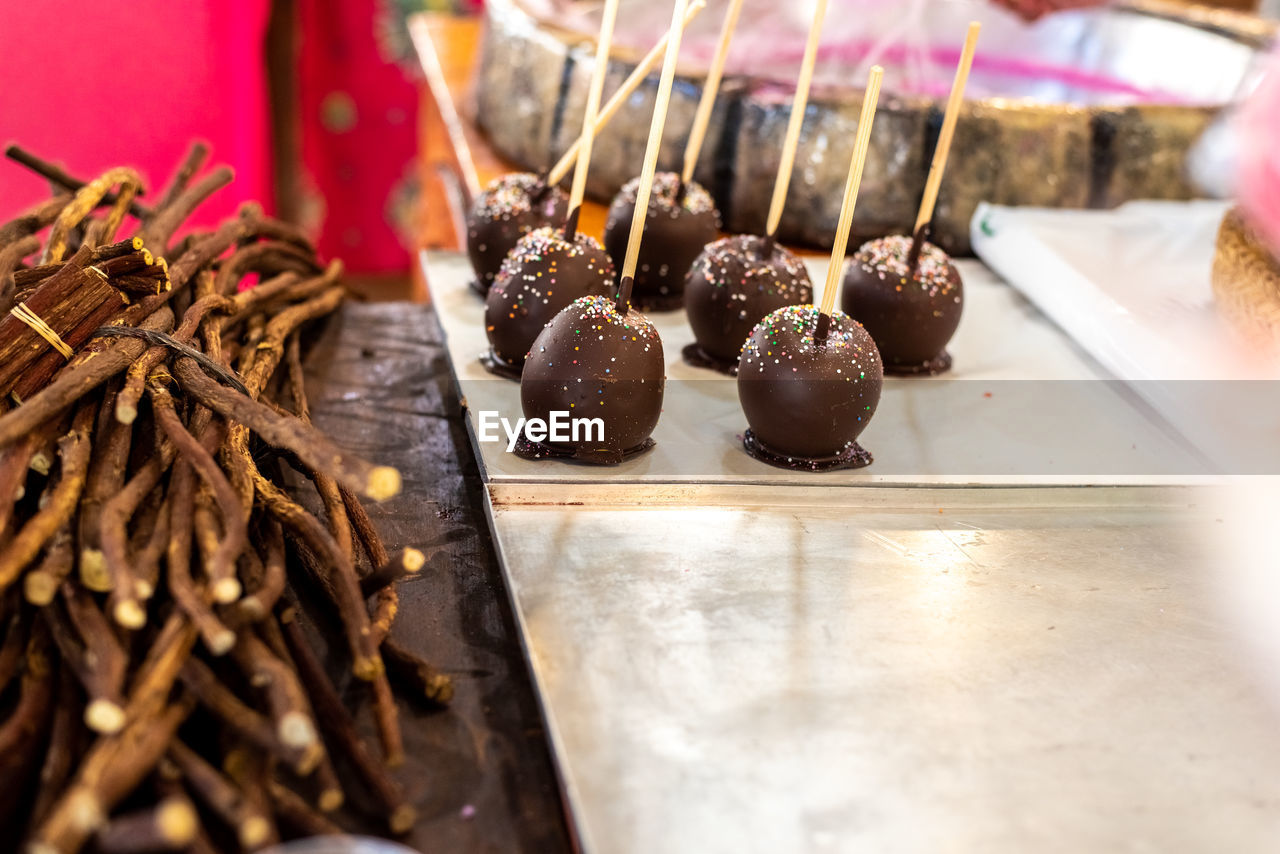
(1246, 283)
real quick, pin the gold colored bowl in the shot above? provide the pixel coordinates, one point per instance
(1246, 284)
(1049, 144)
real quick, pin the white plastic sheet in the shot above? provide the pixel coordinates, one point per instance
(1132, 287)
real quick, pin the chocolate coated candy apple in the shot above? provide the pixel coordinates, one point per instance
(594, 362)
(675, 231)
(542, 275)
(806, 398)
(507, 210)
(731, 287)
(912, 319)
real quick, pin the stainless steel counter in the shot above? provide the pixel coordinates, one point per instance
(750, 662)
(894, 678)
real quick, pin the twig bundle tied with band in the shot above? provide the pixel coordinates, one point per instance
(157, 689)
(54, 308)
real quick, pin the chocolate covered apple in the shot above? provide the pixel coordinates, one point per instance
(594, 361)
(682, 219)
(506, 211)
(551, 267)
(734, 283)
(681, 215)
(905, 290)
(808, 396)
(910, 309)
(544, 273)
(600, 361)
(809, 377)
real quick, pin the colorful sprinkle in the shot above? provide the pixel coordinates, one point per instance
(887, 258)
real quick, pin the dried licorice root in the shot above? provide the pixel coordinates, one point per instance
(151, 558)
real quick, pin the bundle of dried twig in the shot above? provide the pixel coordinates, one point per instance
(151, 560)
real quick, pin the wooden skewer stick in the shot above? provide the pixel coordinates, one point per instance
(603, 42)
(615, 102)
(710, 89)
(852, 183)
(940, 151)
(798, 104)
(650, 159)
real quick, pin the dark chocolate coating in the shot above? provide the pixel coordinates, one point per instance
(593, 362)
(803, 398)
(541, 276)
(911, 321)
(734, 284)
(505, 212)
(674, 234)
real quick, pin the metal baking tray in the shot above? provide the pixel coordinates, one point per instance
(750, 659)
(1024, 406)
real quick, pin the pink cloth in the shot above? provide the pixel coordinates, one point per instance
(1259, 171)
(95, 85)
(359, 136)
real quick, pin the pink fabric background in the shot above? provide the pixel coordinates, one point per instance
(1259, 178)
(359, 135)
(95, 84)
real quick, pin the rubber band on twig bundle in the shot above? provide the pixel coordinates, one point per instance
(42, 329)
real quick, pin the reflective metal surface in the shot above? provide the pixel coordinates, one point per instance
(741, 666)
(937, 677)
